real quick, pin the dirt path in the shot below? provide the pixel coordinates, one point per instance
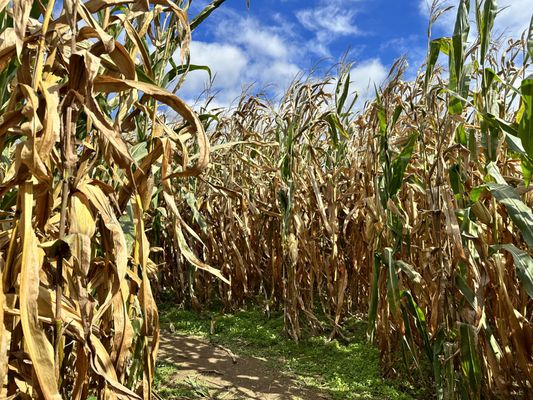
(212, 368)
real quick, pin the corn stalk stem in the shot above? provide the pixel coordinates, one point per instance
(38, 73)
(67, 158)
(62, 231)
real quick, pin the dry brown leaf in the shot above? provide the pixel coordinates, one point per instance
(39, 348)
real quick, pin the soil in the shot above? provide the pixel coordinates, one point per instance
(226, 375)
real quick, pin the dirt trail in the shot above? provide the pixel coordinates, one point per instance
(212, 367)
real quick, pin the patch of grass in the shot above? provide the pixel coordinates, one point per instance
(183, 321)
(168, 388)
(344, 371)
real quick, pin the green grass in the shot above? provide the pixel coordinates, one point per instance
(344, 371)
(167, 388)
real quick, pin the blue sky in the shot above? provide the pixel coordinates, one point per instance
(275, 40)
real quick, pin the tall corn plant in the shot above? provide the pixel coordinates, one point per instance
(456, 323)
(82, 139)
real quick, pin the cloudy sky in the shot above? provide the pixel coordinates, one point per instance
(275, 40)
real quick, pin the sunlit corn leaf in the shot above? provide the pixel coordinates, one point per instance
(523, 263)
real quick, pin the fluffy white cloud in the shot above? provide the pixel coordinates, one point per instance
(259, 40)
(329, 20)
(251, 53)
(247, 51)
(225, 60)
(365, 76)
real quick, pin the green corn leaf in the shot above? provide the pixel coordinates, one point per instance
(392, 281)
(469, 357)
(342, 89)
(178, 70)
(373, 309)
(139, 151)
(420, 322)
(472, 144)
(525, 128)
(459, 80)
(456, 180)
(436, 46)
(336, 127)
(36, 8)
(465, 290)
(142, 76)
(523, 263)
(197, 216)
(530, 39)
(527, 169)
(206, 12)
(399, 165)
(397, 112)
(515, 144)
(494, 172)
(489, 140)
(128, 227)
(407, 339)
(461, 136)
(382, 117)
(519, 212)
(460, 35)
(485, 22)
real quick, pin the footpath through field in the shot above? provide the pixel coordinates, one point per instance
(200, 369)
(247, 355)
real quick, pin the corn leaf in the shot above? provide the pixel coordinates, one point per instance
(520, 213)
(485, 23)
(525, 128)
(39, 348)
(470, 359)
(374, 292)
(523, 263)
(530, 39)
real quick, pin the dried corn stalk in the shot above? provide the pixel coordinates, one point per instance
(82, 140)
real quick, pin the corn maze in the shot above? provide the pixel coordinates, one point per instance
(413, 212)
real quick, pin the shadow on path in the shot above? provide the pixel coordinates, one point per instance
(213, 368)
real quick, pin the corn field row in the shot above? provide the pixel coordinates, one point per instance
(415, 211)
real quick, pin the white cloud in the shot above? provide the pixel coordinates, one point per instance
(365, 76)
(329, 20)
(259, 39)
(247, 51)
(228, 62)
(250, 53)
